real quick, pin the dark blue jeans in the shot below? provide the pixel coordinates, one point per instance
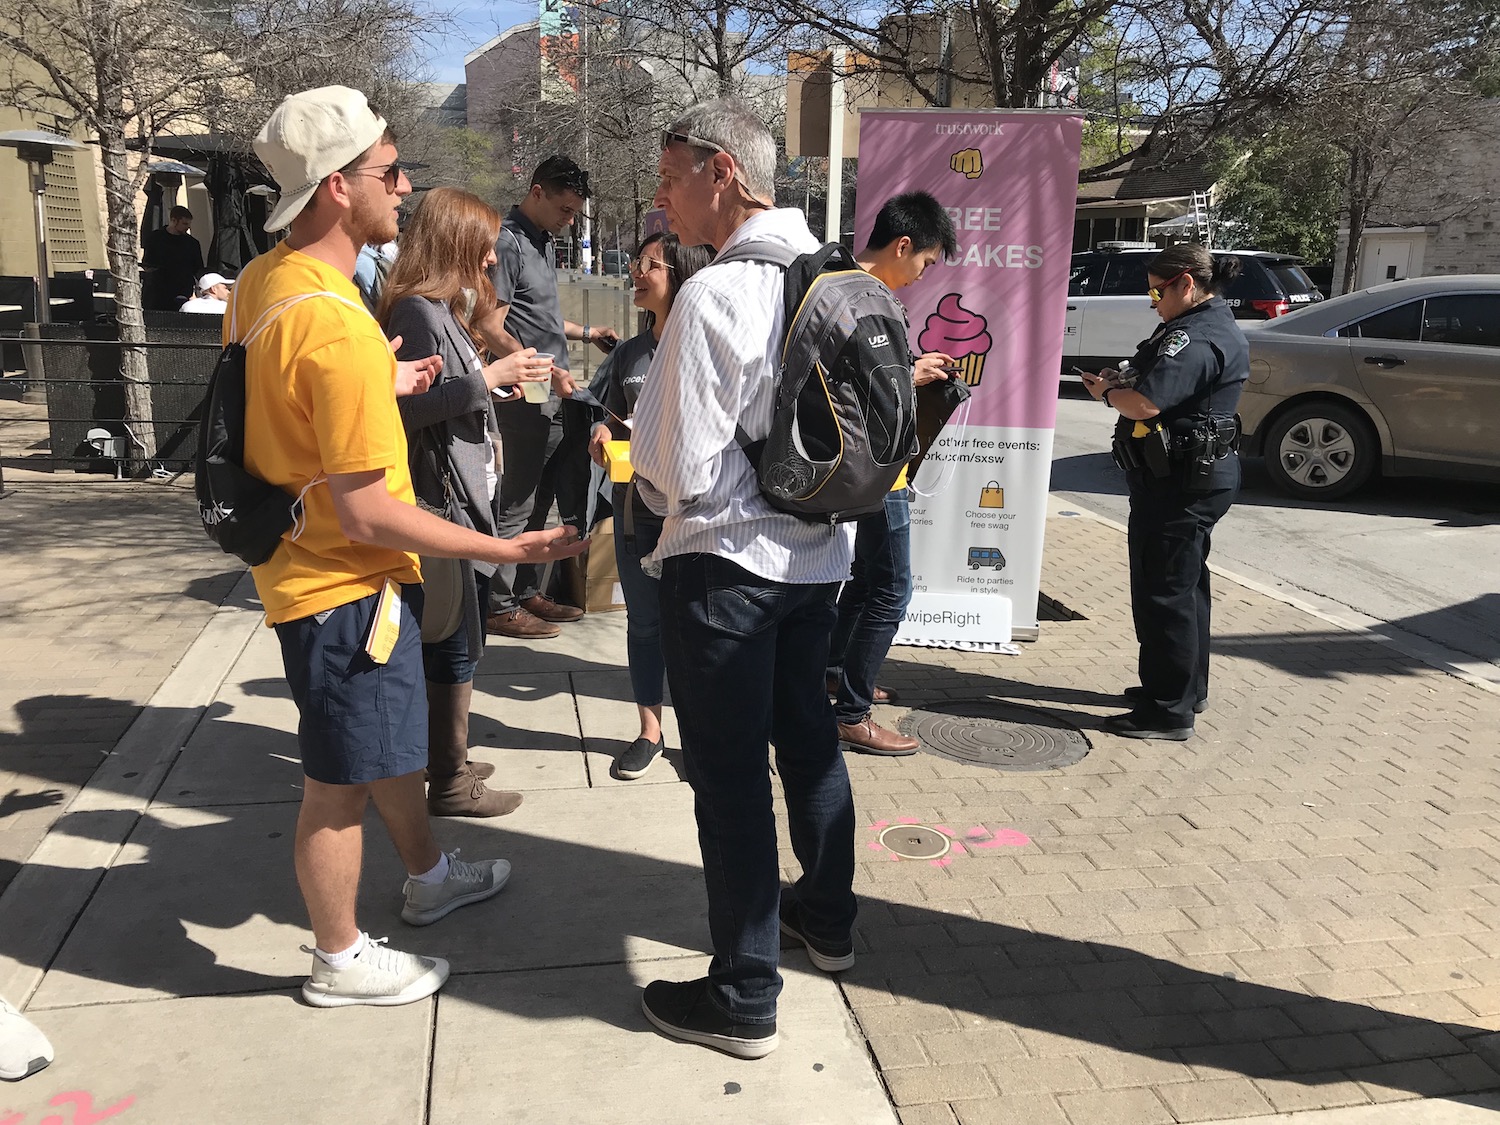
(872, 605)
(642, 605)
(745, 658)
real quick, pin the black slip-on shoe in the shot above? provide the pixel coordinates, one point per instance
(831, 957)
(1137, 725)
(639, 757)
(683, 1010)
(1136, 696)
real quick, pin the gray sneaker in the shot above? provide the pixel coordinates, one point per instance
(379, 976)
(466, 883)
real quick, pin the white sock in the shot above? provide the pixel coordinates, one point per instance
(438, 873)
(345, 958)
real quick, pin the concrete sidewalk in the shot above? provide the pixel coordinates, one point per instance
(1296, 911)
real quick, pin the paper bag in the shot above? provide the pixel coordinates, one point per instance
(603, 588)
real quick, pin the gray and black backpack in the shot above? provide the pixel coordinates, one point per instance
(844, 421)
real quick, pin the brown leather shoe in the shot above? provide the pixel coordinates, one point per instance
(880, 695)
(466, 795)
(540, 605)
(519, 623)
(869, 737)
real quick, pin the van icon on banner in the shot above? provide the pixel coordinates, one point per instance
(986, 556)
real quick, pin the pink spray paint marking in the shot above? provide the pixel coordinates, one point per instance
(83, 1109)
(879, 824)
(908, 820)
(1005, 838)
(946, 831)
(873, 845)
(944, 862)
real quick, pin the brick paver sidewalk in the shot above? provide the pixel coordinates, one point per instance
(1298, 908)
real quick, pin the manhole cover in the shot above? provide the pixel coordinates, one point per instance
(1001, 736)
(915, 841)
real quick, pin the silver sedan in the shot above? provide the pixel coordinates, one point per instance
(1403, 377)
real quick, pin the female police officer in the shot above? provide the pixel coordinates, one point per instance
(1175, 440)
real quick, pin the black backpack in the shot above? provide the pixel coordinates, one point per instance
(844, 422)
(243, 514)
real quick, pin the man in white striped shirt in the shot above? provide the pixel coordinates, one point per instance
(747, 597)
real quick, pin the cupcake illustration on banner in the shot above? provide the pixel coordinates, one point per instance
(955, 331)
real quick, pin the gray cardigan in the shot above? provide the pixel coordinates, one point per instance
(458, 407)
(455, 411)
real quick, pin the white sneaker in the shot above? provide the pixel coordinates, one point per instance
(466, 883)
(379, 976)
(23, 1049)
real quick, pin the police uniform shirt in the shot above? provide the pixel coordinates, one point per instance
(525, 278)
(1193, 366)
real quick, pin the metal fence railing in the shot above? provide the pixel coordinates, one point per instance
(89, 428)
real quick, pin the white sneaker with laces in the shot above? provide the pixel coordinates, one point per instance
(23, 1048)
(380, 976)
(466, 883)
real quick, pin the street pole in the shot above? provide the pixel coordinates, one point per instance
(831, 229)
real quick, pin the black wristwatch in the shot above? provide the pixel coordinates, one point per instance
(1104, 398)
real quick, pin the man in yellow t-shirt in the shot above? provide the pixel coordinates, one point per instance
(321, 421)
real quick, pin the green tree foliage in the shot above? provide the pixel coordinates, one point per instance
(1281, 193)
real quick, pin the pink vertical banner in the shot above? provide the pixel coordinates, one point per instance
(1009, 180)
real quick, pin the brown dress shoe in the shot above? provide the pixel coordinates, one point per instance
(519, 623)
(869, 737)
(540, 605)
(880, 694)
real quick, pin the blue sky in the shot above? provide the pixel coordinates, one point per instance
(472, 25)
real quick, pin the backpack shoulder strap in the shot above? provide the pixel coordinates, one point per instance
(771, 253)
(269, 314)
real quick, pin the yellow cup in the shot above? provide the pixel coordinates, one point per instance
(538, 392)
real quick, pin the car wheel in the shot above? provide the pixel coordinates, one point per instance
(1321, 450)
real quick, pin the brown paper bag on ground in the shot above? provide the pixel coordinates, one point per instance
(604, 592)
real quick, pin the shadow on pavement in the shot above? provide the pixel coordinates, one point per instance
(191, 874)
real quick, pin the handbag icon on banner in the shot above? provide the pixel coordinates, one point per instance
(992, 495)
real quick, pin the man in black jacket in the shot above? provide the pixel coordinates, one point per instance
(173, 261)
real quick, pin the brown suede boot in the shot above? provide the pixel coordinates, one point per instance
(453, 787)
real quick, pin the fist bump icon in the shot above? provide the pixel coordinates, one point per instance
(967, 163)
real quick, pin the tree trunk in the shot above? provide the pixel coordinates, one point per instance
(119, 195)
(1357, 209)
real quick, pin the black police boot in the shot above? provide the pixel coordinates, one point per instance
(1143, 724)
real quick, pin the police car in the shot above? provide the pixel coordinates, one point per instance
(1109, 312)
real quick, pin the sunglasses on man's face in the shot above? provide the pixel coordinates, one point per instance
(390, 173)
(1156, 291)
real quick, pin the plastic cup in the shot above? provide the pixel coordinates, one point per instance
(538, 393)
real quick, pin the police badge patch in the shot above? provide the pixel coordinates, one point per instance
(1174, 342)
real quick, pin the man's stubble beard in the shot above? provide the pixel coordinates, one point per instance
(374, 224)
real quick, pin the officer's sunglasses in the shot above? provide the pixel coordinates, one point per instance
(1156, 291)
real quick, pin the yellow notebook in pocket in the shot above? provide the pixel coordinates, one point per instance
(385, 627)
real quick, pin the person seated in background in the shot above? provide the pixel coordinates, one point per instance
(911, 232)
(661, 266)
(211, 295)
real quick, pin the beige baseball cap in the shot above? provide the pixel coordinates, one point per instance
(310, 136)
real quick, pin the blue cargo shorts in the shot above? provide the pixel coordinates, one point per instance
(359, 721)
